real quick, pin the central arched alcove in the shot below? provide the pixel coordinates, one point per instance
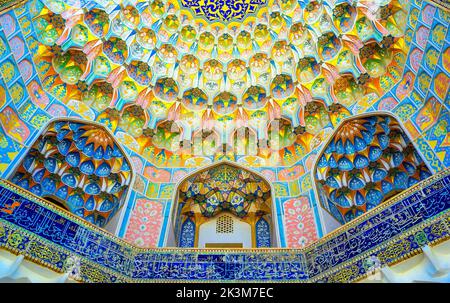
(223, 205)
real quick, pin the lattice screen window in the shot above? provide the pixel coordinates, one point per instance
(224, 225)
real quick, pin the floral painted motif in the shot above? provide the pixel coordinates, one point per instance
(145, 223)
(405, 86)
(299, 225)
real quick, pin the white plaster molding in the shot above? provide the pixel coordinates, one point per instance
(16, 269)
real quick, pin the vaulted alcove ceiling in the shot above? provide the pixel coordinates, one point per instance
(79, 166)
(367, 160)
(187, 80)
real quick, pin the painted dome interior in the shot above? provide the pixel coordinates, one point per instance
(182, 87)
(146, 116)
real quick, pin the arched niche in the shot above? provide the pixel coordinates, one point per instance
(368, 159)
(203, 197)
(78, 166)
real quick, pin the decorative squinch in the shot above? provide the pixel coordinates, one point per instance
(367, 160)
(79, 166)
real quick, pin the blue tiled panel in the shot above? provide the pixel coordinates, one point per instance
(38, 222)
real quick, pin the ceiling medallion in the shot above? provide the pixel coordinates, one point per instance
(223, 10)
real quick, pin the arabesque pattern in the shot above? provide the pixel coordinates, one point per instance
(228, 188)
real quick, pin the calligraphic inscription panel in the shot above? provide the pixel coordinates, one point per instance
(65, 243)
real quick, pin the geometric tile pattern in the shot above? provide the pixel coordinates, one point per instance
(388, 234)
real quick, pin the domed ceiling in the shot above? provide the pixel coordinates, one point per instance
(190, 80)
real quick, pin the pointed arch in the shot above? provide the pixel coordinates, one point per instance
(179, 208)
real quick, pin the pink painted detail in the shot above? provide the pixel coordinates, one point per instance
(156, 175)
(292, 173)
(268, 174)
(422, 36)
(56, 110)
(17, 47)
(405, 86)
(139, 184)
(300, 228)
(37, 94)
(13, 125)
(309, 162)
(145, 223)
(138, 164)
